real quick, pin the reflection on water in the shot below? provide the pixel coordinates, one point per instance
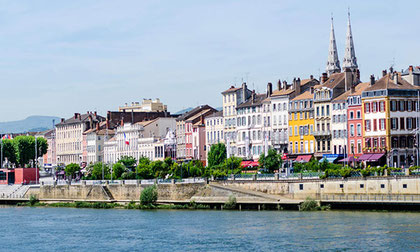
(68, 229)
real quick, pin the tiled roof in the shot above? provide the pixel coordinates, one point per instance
(304, 96)
(192, 112)
(283, 92)
(333, 80)
(231, 89)
(358, 91)
(416, 70)
(83, 118)
(258, 100)
(216, 114)
(145, 123)
(387, 82)
(201, 113)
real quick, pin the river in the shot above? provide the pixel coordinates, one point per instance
(71, 229)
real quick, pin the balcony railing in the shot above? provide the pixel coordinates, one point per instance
(322, 133)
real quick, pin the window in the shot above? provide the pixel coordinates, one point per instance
(404, 185)
(328, 110)
(367, 125)
(382, 186)
(359, 115)
(341, 185)
(351, 114)
(367, 107)
(381, 106)
(300, 186)
(393, 105)
(394, 123)
(351, 129)
(317, 111)
(374, 107)
(409, 106)
(402, 123)
(362, 185)
(402, 107)
(321, 186)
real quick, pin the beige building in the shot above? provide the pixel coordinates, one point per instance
(69, 136)
(148, 105)
(233, 97)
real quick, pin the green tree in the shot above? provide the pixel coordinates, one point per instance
(128, 161)
(233, 165)
(270, 162)
(143, 169)
(9, 151)
(71, 169)
(97, 170)
(25, 146)
(149, 196)
(117, 170)
(217, 154)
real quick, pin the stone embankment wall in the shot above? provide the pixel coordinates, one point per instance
(114, 192)
(292, 189)
(300, 189)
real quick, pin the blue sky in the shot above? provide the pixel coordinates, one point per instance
(61, 57)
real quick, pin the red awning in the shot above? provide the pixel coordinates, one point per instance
(249, 164)
(349, 159)
(303, 158)
(365, 157)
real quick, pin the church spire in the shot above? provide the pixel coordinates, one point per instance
(350, 60)
(333, 64)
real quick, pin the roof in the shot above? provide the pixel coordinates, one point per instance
(82, 118)
(231, 89)
(145, 123)
(290, 90)
(304, 96)
(216, 114)
(358, 91)
(192, 112)
(199, 114)
(332, 81)
(249, 103)
(416, 70)
(387, 82)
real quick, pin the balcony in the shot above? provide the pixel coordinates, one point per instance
(322, 133)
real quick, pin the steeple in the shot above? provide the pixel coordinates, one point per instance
(350, 60)
(333, 64)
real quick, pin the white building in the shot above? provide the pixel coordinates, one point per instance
(339, 124)
(214, 129)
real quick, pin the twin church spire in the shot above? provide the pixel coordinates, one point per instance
(350, 60)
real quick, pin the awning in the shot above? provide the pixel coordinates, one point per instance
(349, 159)
(329, 159)
(249, 164)
(365, 157)
(303, 158)
(375, 157)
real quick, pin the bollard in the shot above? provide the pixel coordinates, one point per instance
(276, 176)
(55, 183)
(107, 182)
(407, 172)
(232, 176)
(254, 177)
(386, 172)
(83, 182)
(42, 183)
(300, 175)
(122, 182)
(173, 181)
(138, 182)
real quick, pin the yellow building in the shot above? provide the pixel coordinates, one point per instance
(301, 126)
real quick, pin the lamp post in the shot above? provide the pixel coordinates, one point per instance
(36, 162)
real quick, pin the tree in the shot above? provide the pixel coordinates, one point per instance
(117, 170)
(71, 169)
(143, 169)
(42, 146)
(217, 154)
(25, 146)
(97, 170)
(233, 165)
(128, 161)
(149, 196)
(270, 162)
(9, 151)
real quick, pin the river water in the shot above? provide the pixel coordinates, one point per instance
(71, 229)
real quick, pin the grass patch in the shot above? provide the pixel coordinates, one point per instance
(311, 205)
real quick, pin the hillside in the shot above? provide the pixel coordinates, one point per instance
(32, 123)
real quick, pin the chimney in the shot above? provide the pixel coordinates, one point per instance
(253, 96)
(372, 80)
(90, 122)
(348, 79)
(298, 86)
(311, 77)
(62, 120)
(311, 89)
(107, 123)
(352, 89)
(410, 69)
(244, 88)
(75, 115)
(357, 74)
(122, 122)
(324, 78)
(279, 85)
(284, 85)
(383, 73)
(269, 89)
(294, 84)
(395, 77)
(97, 127)
(95, 114)
(108, 115)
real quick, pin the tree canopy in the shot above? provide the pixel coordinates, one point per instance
(271, 162)
(217, 154)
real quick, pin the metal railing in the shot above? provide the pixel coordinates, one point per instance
(371, 198)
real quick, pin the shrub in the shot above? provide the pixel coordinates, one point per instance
(149, 196)
(309, 205)
(231, 203)
(33, 200)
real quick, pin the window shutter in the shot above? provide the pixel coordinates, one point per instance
(414, 122)
(384, 123)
